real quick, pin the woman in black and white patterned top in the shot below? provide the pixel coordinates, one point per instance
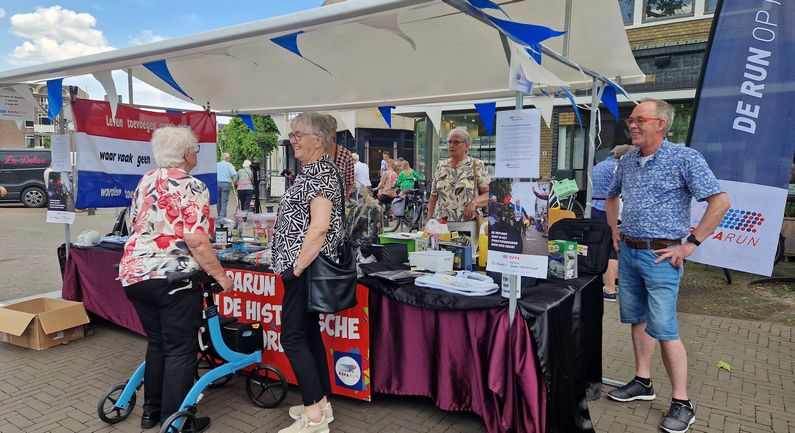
(309, 222)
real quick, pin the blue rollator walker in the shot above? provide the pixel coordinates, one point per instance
(266, 386)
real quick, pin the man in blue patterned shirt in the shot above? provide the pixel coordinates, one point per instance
(657, 182)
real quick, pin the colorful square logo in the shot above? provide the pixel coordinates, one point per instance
(348, 370)
(742, 220)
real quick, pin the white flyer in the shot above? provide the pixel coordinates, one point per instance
(518, 144)
(61, 153)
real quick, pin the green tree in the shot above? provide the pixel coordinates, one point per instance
(241, 143)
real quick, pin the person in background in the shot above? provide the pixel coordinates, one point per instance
(657, 182)
(309, 222)
(170, 223)
(602, 177)
(244, 182)
(3, 191)
(407, 176)
(225, 174)
(361, 174)
(341, 156)
(453, 192)
(289, 177)
(384, 167)
(385, 191)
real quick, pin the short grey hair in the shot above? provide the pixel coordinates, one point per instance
(620, 150)
(169, 144)
(664, 110)
(462, 132)
(315, 123)
(355, 156)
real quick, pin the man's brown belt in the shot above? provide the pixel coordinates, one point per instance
(650, 244)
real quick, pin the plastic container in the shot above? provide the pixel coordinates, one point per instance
(483, 245)
(434, 261)
(263, 226)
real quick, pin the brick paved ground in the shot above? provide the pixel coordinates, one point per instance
(56, 390)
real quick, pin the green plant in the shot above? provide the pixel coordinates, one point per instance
(789, 210)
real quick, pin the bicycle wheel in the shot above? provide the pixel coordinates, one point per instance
(412, 215)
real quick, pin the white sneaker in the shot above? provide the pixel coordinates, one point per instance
(304, 425)
(296, 412)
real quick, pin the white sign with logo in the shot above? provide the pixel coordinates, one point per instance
(348, 370)
(747, 236)
(15, 107)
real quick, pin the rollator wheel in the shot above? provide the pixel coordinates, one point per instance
(208, 361)
(107, 410)
(178, 422)
(266, 386)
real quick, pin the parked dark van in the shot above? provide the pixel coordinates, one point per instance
(22, 174)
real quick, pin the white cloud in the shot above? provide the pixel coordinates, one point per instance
(2, 12)
(145, 37)
(55, 33)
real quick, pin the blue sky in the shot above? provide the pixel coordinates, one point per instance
(34, 32)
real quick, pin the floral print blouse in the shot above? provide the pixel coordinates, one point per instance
(167, 204)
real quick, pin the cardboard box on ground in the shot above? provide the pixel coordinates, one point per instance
(42, 323)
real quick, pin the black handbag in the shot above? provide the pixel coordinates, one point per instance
(331, 285)
(594, 234)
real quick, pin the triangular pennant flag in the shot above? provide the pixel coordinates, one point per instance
(533, 71)
(487, 4)
(348, 118)
(386, 113)
(528, 34)
(609, 99)
(545, 104)
(620, 89)
(290, 43)
(280, 120)
(535, 52)
(173, 111)
(246, 118)
(486, 110)
(54, 97)
(106, 79)
(390, 24)
(434, 114)
(160, 68)
(573, 104)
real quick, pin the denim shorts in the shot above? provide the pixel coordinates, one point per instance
(648, 291)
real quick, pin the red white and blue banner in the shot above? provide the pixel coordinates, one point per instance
(743, 125)
(113, 153)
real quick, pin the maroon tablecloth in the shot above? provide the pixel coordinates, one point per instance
(89, 277)
(463, 360)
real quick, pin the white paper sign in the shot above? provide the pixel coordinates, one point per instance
(61, 153)
(518, 264)
(15, 107)
(747, 236)
(518, 144)
(60, 217)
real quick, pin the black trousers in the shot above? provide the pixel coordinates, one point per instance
(303, 344)
(171, 323)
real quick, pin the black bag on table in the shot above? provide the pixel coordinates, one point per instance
(390, 253)
(592, 233)
(331, 285)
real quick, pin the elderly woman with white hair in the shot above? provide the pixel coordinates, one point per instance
(309, 222)
(245, 185)
(170, 225)
(460, 186)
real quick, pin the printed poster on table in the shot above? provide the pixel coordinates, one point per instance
(113, 153)
(60, 198)
(257, 297)
(518, 152)
(517, 228)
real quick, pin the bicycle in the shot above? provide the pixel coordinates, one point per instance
(416, 205)
(563, 195)
(118, 402)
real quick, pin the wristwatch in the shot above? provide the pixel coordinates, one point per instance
(692, 239)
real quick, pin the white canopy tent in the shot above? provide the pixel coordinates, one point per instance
(387, 52)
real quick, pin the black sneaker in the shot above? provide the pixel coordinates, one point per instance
(679, 418)
(202, 424)
(149, 420)
(634, 390)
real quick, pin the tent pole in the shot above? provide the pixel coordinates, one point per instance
(129, 86)
(515, 280)
(591, 146)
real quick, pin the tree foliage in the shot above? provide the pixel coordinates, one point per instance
(241, 143)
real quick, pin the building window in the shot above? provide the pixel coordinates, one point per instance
(681, 124)
(28, 124)
(709, 6)
(664, 9)
(627, 11)
(30, 140)
(44, 120)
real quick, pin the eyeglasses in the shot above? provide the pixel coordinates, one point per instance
(640, 120)
(456, 142)
(297, 136)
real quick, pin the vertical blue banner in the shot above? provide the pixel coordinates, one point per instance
(744, 125)
(744, 121)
